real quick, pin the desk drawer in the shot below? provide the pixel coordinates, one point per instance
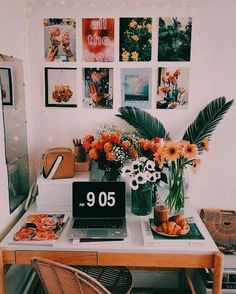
(66, 257)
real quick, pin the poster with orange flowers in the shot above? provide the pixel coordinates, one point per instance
(98, 39)
(172, 88)
(41, 227)
(98, 88)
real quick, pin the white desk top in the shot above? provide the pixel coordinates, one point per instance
(133, 243)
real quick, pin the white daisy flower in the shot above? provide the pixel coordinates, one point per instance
(135, 165)
(150, 165)
(126, 171)
(140, 177)
(147, 175)
(133, 183)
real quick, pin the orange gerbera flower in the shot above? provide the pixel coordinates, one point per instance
(158, 157)
(196, 164)
(190, 151)
(89, 138)
(115, 138)
(157, 140)
(93, 154)
(106, 137)
(107, 147)
(154, 146)
(97, 144)
(110, 156)
(172, 151)
(205, 144)
(146, 145)
(87, 146)
(126, 144)
(133, 153)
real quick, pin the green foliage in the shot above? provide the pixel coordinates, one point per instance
(147, 126)
(206, 121)
(203, 126)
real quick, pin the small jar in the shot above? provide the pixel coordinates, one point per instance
(160, 214)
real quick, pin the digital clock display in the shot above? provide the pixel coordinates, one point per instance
(96, 199)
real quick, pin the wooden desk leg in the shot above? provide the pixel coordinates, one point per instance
(218, 272)
(2, 275)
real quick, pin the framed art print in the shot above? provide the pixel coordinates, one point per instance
(135, 39)
(98, 88)
(59, 39)
(98, 39)
(172, 88)
(136, 87)
(60, 87)
(6, 85)
(174, 42)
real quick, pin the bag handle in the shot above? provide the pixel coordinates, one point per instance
(54, 168)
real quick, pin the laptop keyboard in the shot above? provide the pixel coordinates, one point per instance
(98, 223)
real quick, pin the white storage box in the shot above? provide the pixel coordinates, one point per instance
(56, 195)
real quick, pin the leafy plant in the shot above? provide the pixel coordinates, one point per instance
(146, 125)
(203, 126)
(206, 121)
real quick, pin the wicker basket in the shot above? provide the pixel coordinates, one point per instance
(221, 224)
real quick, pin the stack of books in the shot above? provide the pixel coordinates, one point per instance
(229, 278)
(193, 238)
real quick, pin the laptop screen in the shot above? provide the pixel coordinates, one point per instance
(98, 199)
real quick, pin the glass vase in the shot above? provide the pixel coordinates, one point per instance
(176, 194)
(141, 199)
(111, 176)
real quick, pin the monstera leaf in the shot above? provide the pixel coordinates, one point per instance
(146, 125)
(206, 121)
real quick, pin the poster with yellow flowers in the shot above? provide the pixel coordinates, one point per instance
(135, 39)
(172, 87)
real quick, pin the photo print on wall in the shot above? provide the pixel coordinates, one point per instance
(6, 85)
(98, 39)
(59, 39)
(135, 39)
(60, 87)
(136, 87)
(98, 88)
(172, 88)
(174, 43)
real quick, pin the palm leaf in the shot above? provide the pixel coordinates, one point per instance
(146, 125)
(206, 121)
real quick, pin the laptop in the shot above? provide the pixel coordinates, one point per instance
(98, 211)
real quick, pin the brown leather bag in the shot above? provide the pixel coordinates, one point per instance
(58, 163)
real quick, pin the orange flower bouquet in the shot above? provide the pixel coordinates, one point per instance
(111, 149)
(177, 155)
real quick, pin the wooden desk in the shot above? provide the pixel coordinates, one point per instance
(131, 253)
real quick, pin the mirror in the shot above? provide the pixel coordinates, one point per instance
(14, 119)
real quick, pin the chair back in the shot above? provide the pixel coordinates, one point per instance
(61, 279)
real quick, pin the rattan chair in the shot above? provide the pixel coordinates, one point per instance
(57, 278)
